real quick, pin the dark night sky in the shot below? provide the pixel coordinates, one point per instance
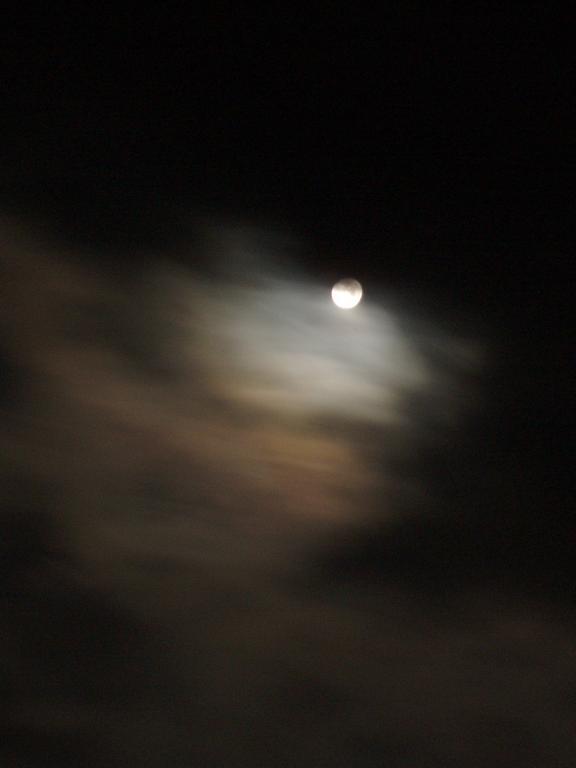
(429, 153)
(415, 128)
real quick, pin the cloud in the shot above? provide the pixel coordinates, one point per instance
(181, 444)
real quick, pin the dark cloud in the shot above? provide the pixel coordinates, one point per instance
(228, 516)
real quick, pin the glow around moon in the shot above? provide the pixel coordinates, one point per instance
(347, 293)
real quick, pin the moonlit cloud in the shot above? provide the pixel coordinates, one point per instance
(251, 374)
(278, 343)
(283, 346)
(184, 445)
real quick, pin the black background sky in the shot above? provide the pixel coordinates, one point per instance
(446, 134)
(427, 149)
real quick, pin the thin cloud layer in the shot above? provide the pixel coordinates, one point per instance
(179, 446)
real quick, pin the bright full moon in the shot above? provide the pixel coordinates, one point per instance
(347, 293)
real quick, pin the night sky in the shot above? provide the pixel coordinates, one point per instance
(241, 527)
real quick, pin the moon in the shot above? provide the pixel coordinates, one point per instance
(347, 293)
